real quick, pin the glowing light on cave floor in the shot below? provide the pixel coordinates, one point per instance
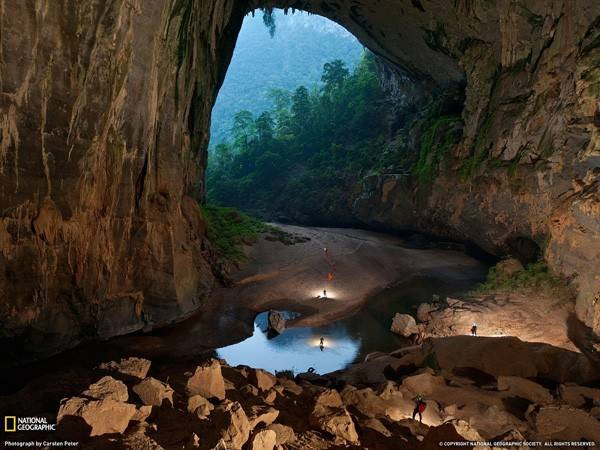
(296, 349)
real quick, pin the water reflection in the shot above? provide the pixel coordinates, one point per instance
(296, 349)
(348, 340)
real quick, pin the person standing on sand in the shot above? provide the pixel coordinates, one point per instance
(474, 330)
(324, 293)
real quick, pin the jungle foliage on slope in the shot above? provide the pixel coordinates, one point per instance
(228, 229)
(305, 154)
(535, 276)
(303, 160)
(294, 56)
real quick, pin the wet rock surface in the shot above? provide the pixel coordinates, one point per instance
(464, 402)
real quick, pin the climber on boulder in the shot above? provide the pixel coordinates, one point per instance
(420, 406)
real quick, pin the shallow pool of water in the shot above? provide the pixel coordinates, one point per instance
(348, 340)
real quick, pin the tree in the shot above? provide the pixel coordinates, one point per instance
(243, 129)
(334, 75)
(301, 110)
(264, 127)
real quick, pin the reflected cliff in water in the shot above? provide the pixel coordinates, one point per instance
(345, 341)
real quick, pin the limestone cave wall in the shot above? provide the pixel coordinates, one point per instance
(104, 118)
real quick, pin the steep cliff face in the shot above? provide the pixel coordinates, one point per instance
(104, 115)
(527, 167)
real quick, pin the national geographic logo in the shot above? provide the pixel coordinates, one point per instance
(14, 423)
(10, 424)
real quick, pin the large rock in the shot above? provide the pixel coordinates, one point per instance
(284, 434)
(262, 379)
(135, 367)
(108, 388)
(330, 415)
(207, 381)
(521, 387)
(424, 310)
(101, 416)
(276, 321)
(578, 396)
(509, 267)
(263, 440)
(510, 356)
(154, 392)
(566, 424)
(404, 325)
(232, 424)
(261, 414)
(200, 406)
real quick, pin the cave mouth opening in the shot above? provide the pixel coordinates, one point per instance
(305, 115)
(299, 105)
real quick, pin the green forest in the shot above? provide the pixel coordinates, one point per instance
(294, 55)
(303, 159)
(302, 156)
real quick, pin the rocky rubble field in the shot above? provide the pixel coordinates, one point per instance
(476, 388)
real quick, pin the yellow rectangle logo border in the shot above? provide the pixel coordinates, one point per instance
(14, 424)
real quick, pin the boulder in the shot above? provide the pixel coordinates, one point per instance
(142, 413)
(101, 416)
(134, 367)
(404, 325)
(207, 381)
(424, 383)
(424, 310)
(270, 396)
(263, 440)
(262, 414)
(364, 400)
(107, 388)
(578, 396)
(329, 415)
(521, 387)
(290, 386)
(376, 425)
(329, 398)
(276, 321)
(509, 267)
(248, 389)
(200, 406)
(233, 424)
(284, 434)
(510, 356)
(262, 379)
(154, 392)
(136, 439)
(566, 423)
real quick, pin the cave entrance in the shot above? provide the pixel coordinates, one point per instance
(299, 119)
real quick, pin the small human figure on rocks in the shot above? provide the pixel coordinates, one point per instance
(420, 406)
(474, 330)
(324, 293)
(322, 343)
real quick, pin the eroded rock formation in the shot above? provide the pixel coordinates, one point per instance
(104, 115)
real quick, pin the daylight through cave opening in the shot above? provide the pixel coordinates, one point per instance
(298, 126)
